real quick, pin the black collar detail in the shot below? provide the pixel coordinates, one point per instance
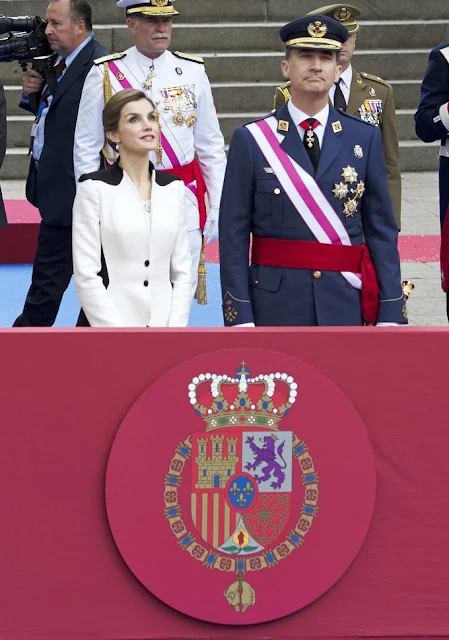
(114, 175)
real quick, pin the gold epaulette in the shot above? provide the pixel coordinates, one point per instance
(281, 91)
(285, 91)
(187, 56)
(111, 56)
(369, 76)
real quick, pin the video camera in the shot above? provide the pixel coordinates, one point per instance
(26, 40)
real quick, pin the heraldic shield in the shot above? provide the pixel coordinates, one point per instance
(240, 486)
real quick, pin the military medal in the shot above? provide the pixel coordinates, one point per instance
(120, 76)
(359, 190)
(178, 71)
(310, 138)
(191, 119)
(340, 190)
(372, 91)
(358, 151)
(370, 111)
(283, 125)
(349, 174)
(179, 100)
(178, 119)
(350, 207)
(148, 83)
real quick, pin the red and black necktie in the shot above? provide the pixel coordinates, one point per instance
(60, 67)
(311, 141)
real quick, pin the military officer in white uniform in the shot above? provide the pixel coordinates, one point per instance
(178, 85)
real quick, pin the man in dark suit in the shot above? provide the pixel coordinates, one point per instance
(3, 221)
(54, 99)
(432, 123)
(309, 183)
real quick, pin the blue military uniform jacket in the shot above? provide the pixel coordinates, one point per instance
(432, 116)
(254, 202)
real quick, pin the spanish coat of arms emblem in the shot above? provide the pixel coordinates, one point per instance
(242, 468)
(240, 486)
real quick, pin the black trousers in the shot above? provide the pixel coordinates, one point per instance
(52, 271)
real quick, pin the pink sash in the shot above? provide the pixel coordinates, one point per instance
(303, 191)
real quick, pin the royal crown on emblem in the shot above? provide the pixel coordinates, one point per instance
(244, 401)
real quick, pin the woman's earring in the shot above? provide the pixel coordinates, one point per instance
(117, 148)
(159, 153)
(159, 146)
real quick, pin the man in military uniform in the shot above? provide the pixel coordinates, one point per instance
(363, 95)
(432, 123)
(309, 184)
(178, 85)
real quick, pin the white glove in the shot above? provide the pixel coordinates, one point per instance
(390, 324)
(244, 324)
(211, 227)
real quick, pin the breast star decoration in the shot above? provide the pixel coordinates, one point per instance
(349, 174)
(340, 190)
(350, 207)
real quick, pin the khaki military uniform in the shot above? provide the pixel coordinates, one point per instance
(371, 99)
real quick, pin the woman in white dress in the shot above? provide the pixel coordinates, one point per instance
(135, 216)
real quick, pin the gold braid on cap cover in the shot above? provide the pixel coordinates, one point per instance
(313, 43)
(154, 8)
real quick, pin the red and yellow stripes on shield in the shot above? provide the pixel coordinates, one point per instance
(213, 518)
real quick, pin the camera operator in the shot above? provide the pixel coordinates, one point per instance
(3, 220)
(54, 99)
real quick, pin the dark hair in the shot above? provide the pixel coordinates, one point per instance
(113, 109)
(81, 10)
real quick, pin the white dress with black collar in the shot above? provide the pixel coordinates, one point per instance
(145, 247)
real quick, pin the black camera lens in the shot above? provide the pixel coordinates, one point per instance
(14, 48)
(19, 23)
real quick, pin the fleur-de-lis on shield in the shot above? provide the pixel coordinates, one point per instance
(241, 500)
(248, 489)
(234, 489)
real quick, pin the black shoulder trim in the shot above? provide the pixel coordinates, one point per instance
(112, 176)
(163, 178)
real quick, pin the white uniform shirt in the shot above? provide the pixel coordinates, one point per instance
(173, 74)
(345, 85)
(299, 116)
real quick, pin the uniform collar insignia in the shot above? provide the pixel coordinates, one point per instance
(336, 126)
